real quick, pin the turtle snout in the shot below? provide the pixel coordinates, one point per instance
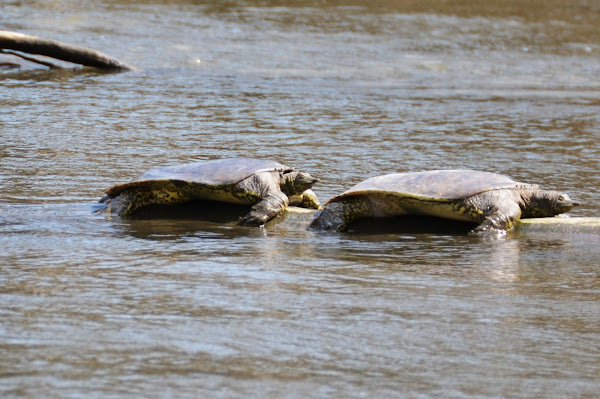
(304, 179)
(565, 203)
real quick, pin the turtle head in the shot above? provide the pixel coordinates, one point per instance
(294, 183)
(548, 203)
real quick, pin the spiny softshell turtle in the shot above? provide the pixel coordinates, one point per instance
(493, 201)
(268, 186)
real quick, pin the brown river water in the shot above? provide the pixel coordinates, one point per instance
(181, 307)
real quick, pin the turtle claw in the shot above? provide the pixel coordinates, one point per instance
(253, 220)
(488, 233)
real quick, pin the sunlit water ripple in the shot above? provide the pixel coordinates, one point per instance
(182, 307)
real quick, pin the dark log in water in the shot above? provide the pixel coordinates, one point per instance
(61, 51)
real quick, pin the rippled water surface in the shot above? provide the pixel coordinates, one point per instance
(181, 307)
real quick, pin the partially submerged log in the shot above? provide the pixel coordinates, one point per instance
(11, 42)
(560, 225)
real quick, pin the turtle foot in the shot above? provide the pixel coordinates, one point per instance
(253, 220)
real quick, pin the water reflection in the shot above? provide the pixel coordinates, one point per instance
(26, 73)
(410, 225)
(207, 218)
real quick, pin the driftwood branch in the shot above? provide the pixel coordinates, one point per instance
(58, 50)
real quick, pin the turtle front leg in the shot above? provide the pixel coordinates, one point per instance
(269, 208)
(337, 216)
(121, 205)
(308, 199)
(330, 219)
(502, 218)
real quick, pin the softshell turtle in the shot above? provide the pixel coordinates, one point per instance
(268, 186)
(493, 201)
